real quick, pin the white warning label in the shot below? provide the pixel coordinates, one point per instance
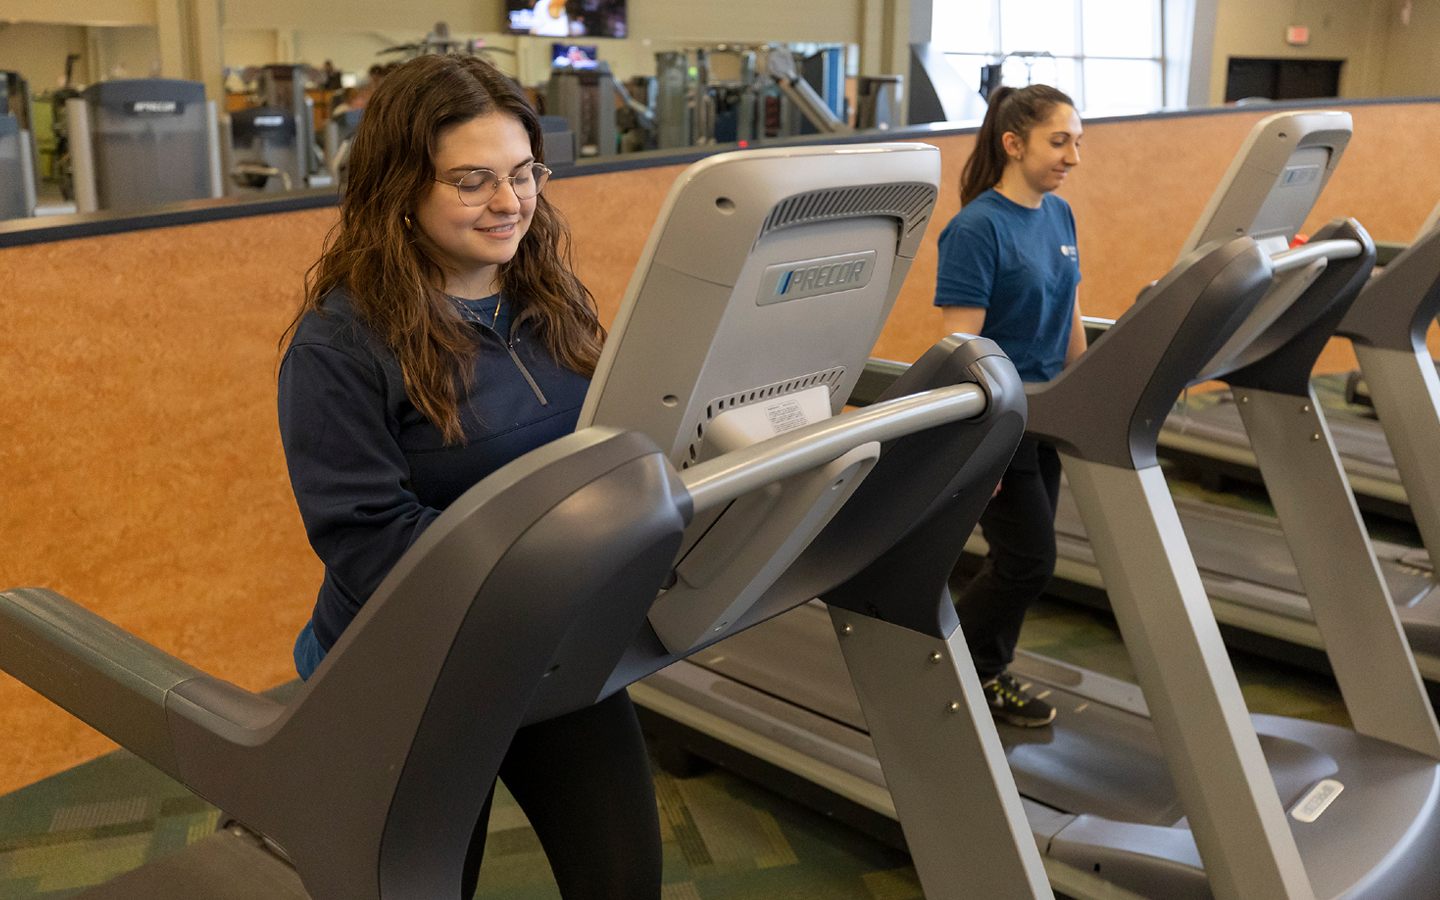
(1317, 800)
(786, 416)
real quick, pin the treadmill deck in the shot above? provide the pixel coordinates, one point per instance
(1098, 792)
(1251, 579)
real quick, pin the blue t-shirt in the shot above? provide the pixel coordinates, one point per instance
(1022, 267)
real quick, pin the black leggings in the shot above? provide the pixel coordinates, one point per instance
(1019, 526)
(584, 781)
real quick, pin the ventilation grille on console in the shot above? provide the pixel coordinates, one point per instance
(908, 201)
(830, 378)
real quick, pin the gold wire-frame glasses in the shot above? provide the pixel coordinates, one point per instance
(477, 187)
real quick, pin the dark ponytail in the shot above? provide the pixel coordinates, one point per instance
(1016, 110)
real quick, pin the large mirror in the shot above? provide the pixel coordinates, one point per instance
(251, 100)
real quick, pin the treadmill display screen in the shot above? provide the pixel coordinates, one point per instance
(1296, 189)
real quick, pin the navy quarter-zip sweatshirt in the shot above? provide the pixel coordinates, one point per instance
(369, 471)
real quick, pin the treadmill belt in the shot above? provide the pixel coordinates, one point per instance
(1235, 547)
(1360, 441)
(1094, 758)
(796, 657)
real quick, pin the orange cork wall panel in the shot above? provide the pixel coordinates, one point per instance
(914, 324)
(610, 219)
(1379, 181)
(144, 474)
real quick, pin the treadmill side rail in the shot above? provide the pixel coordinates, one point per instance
(943, 761)
(1195, 702)
(1336, 562)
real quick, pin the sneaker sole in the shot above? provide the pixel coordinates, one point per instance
(1021, 721)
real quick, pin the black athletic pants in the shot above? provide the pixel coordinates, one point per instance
(584, 781)
(1019, 525)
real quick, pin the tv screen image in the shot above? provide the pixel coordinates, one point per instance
(574, 56)
(566, 18)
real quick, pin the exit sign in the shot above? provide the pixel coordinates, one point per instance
(1297, 35)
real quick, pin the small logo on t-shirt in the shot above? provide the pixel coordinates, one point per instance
(1070, 250)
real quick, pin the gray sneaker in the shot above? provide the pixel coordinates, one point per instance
(1011, 701)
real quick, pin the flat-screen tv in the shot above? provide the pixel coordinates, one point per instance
(574, 56)
(566, 18)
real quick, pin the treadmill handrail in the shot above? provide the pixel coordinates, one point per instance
(93, 669)
(421, 716)
(1280, 354)
(720, 480)
(1303, 255)
(1175, 326)
(1395, 308)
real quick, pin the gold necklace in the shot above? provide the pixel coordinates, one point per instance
(460, 304)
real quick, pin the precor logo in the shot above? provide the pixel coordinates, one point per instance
(813, 277)
(821, 276)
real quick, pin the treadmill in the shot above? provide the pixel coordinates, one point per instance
(715, 482)
(1246, 563)
(1206, 434)
(1165, 792)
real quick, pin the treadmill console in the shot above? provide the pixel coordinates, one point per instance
(763, 327)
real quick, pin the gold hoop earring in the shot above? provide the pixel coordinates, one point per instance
(407, 223)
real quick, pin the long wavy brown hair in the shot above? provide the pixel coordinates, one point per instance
(1017, 110)
(387, 268)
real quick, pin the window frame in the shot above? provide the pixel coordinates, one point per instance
(1079, 57)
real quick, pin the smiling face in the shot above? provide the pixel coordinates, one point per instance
(1039, 164)
(471, 242)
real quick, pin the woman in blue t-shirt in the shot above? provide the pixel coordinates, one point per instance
(1008, 271)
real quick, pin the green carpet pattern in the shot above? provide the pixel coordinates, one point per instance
(91, 823)
(723, 838)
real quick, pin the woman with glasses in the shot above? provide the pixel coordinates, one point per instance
(442, 335)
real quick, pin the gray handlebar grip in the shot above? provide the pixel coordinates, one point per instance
(98, 672)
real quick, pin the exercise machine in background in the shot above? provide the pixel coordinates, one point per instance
(339, 131)
(142, 142)
(735, 93)
(585, 98)
(272, 146)
(16, 90)
(17, 183)
(937, 92)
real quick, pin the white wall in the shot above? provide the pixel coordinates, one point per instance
(825, 21)
(81, 12)
(684, 20)
(249, 46)
(1410, 66)
(37, 51)
(403, 20)
(1339, 29)
(129, 52)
